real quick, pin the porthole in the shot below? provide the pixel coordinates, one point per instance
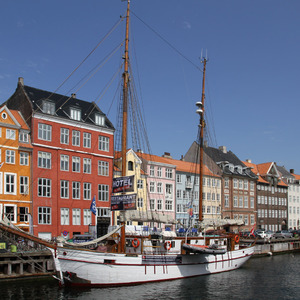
(4, 116)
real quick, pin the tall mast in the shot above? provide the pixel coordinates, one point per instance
(124, 124)
(200, 111)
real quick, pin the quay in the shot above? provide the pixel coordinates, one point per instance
(265, 247)
(26, 264)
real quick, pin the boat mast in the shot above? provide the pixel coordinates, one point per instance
(124, 124)
(200, 111)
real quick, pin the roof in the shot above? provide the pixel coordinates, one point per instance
(63, 104)
(262, 170)
(180, 165)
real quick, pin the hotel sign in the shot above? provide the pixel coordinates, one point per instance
(123, 184)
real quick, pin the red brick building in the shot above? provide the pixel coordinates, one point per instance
(72, 161)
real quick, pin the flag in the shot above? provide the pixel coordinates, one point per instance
(252, 230)
(93, 206)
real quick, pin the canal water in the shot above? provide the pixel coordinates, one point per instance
(275, 277)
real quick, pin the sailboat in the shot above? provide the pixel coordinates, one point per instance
(138, 259)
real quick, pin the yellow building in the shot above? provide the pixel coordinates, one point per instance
(134, 168)
(15, 168)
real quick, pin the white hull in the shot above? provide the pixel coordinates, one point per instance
(90, 268)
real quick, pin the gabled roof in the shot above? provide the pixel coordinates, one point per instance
(263, 170)
(63, 105)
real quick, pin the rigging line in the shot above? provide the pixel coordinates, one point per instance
(168, 43)
(92, 75)
(91, 52)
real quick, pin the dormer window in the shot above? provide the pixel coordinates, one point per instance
(48, 107)
(99, 119)
(23, 137)
(75, 114)
(231, 168)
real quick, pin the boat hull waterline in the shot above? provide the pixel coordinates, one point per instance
(89, 268)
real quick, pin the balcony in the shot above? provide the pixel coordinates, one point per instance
(188, 185)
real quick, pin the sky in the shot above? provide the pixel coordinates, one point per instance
(252, 74)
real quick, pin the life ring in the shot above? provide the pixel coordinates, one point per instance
(135, 243)
(236, 238)
(168, 245)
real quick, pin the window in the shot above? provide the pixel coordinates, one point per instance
(10, 156)
(86, 140)
(44, 215)
(64, 136)
(103, 212)
(64, 189)
(169, 173)
(246, 201)
(10, 183)
(241, 184)
(140, 202)
(103, 143)
(103, 194)
(103, 168)
(235, 201)
(64, 162)
(24, 159)
(44, 132)
(76, 138)
(140, 184)
(44, 187)
(152, 204)
(159, 172)
(159, 204)
(169, 204)
(169, 191)
(152, 187)
(24, 185)
(130, 165)
(23, 137)
(10, 134)
(245, 184)
(76, 190)
(251, 187)
(24, 214)
(240, 201)
(75, 114)
(159, 188)
(48, 107)
(226, 182)
(208, 181)
(76, 216)
(44, 160)
(87, 218)
(235, 183)
(87, 165)
(178, 178)
(99, 120)
(152, 171)
(75, 164)
(64, 216)
(10, 212)
(87, 190)
(226, 200)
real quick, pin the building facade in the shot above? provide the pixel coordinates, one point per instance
(72, 160)
(15, 169)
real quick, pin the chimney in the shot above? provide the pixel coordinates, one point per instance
(292, 171)
(182, 158)
(21, 81)
(167, 154)
(73, 95)
(248, 161)
(223, 149)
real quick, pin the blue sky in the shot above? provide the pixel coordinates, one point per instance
(252, 87)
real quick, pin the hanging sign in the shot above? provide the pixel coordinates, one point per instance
(123, 202)
(123, 184)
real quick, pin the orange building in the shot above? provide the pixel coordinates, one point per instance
(15, 170)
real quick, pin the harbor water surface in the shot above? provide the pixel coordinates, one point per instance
(274, 277)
